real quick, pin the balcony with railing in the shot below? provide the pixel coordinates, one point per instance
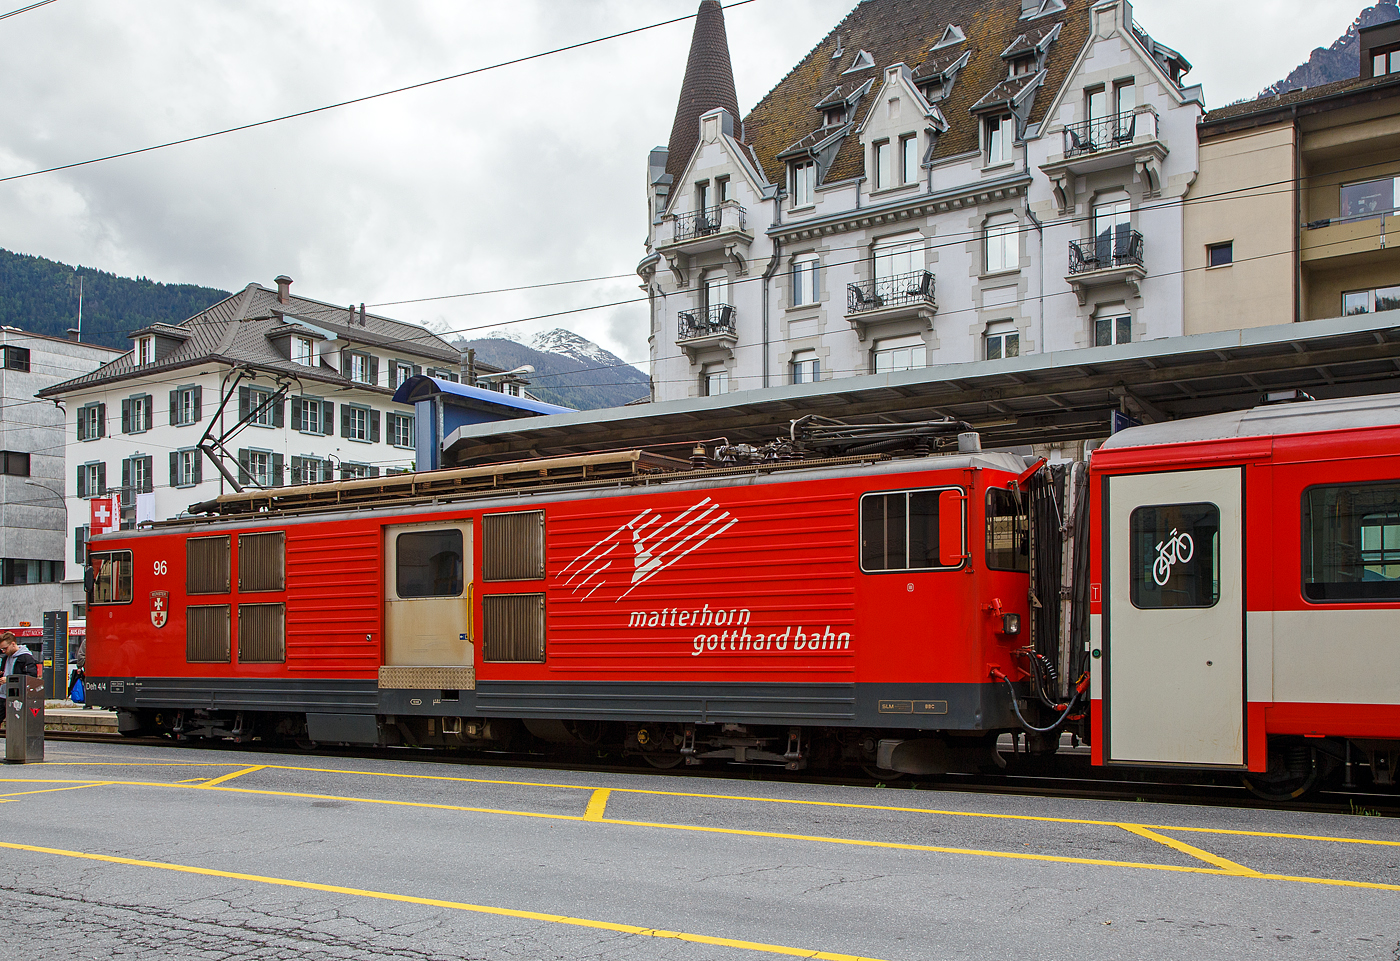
(898, 297)
(710, 228)
(1113, 258)
(707, 327)
(1130, 139)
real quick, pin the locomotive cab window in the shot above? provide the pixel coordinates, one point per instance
(111, 577)
(1008, 531)
(1174, 552)
(429, 564)
(1351, 542)
(911, 530)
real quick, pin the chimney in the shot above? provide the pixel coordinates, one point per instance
(362, 313)
(73, 333)
(284, 289)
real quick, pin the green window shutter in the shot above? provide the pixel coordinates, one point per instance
(126, 417)
(82, 480)
(374, 370)
(374, 426)
(298, 415)
(344, 420)
(149, 412)
(101, 479)
(277, 463)
(244, 475)
(198, 466)
(277, 412)
(417, 370)
(198, 391)
(245, 402)
(374, 472)
(327, 418)
(101, 420)
(126, 472)
(80, 545)
(79, 419)
(174, 468)
(150, 484)
(174, 407)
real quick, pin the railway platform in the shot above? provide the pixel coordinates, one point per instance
(183, 852)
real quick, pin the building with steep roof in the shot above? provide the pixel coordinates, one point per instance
(937, 181)
(1296, 196)
(263, 389)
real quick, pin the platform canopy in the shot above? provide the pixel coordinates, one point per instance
(1055, 398)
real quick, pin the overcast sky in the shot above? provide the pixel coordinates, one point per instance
(522, 175)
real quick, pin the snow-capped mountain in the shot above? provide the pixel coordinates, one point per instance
(570, 370)
(581, 349)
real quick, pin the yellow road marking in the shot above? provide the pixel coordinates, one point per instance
(1271, 834)
(71, 787)
(231, 775)
(1229, 867)
(454, 905)
(596, 804)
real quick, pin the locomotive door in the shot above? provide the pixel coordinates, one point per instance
(427, 595)
(1174, 644)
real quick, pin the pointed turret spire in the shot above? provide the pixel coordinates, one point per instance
(709, 83)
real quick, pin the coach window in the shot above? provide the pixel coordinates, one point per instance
(429, 564)
(1174, 550)
(111, 577)
(899, 531)
(1351, 542)
(1008, 531)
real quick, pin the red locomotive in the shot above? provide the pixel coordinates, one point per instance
(1222, 593)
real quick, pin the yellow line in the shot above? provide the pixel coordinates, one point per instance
(1270, 834)
(455, 905)
(231, 775)
(596, 804)
(1229, 867)
(51, 790)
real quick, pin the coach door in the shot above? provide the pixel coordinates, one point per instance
(427, 595)
(1174, 646)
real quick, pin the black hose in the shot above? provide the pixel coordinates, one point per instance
(1016, 706)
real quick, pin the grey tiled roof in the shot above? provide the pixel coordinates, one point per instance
(237, 331)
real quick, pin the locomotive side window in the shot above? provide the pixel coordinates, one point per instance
(899, 531)
(1008, 531)
(512, 546)
(207, 565)
(1351, 542)
(111, 577)
(1174, 552)
(429, 564)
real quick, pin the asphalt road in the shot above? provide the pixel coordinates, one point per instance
(140, 852)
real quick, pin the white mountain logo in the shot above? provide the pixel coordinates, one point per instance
(650, 542)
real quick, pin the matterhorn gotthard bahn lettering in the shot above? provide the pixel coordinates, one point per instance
(647, 546)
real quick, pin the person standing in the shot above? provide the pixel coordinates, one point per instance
(17, 659)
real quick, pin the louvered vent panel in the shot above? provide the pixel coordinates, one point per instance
(512, 547)
(262, 562)
(262, 634)
(207, 565)
(512, 627)
(207, 634)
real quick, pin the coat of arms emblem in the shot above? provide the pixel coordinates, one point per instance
(160, 604)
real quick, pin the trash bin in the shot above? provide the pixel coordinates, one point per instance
(24, 719)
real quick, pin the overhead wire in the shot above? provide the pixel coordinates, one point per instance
(32, 6)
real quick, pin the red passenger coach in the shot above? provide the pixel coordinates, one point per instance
(844, 608)
(1245, 594)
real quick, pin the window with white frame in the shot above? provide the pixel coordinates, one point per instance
(140, 478)
(403, 370)
(899, 353)
(909, 158)
(1003, 340)
(259, 467)
(259, 407)
(184, 405)
(356, 423)
(805, 285)
(310, 470)
(1001, 243)
(401, 430)
(806, 367)
(349, 470)
(303, 351)
(1112, 325)
(1367, 301)
(92, 479)
(184, 468)
(804, 182)
(136, 414)
(91, 421)
(714, 380)
(1000, 135)
(145, 350)
(884, 174)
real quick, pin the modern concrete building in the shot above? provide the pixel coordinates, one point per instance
(263, 389)
(33, 516)
(938, 181)
(1296, 195)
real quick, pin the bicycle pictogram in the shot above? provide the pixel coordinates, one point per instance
(1176, 549)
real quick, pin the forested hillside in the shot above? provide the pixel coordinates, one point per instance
(41, 295)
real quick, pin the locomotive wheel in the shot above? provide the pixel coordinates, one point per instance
(880, 774)
(663, 762)
(1293, 772)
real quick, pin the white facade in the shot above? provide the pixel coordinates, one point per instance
(986, 225)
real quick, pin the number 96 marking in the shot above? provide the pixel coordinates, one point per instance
(160, 567)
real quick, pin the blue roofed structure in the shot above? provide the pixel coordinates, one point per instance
(442, 406)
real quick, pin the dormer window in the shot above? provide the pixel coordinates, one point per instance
(1000, 133)
(835, 115)
(145, 350)
(303, 351)
(862, 61)
(932, 91)
(804, 181)
(1022, 65)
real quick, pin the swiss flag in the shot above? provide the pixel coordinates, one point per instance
(103, 518)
